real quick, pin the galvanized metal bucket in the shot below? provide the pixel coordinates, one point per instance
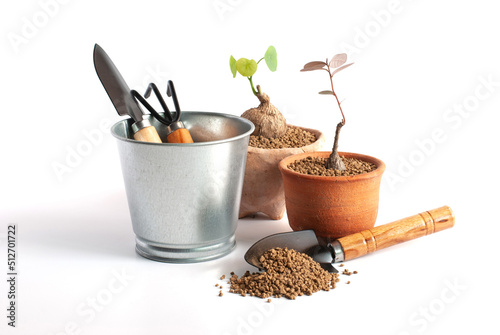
(184, 198)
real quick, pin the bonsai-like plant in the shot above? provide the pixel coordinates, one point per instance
(336, 64)
(268, 120)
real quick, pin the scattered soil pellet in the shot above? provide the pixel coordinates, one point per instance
(268, 300)
(347, 272)
(341, 265)
(216, 285)
(355, 272)
(220, 293)
(222, 277)
(288, 273)
(316, 166)
(348, 282)
(293, 138)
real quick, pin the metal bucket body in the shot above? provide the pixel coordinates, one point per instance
(184, 198)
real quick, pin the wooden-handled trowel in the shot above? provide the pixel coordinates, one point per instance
(355, 245)
(121, 96)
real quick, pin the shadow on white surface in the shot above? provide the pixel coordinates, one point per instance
(85, 227)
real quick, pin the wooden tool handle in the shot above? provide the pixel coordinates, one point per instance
(400, 231)
(180, 135)
(147, 134)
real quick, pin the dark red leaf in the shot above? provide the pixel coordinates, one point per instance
(341, 68)
(316, 65)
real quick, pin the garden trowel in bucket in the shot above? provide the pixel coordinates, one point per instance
(125, 101)
(122, 98)
(355, 245)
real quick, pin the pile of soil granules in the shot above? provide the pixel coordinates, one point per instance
(293, 138)
(316, 166)
(288, 273)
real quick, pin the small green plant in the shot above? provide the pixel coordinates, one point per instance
(248, 67)
(268, 120)
(336, 64)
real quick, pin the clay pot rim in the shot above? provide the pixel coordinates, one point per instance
(283, 166)
(319, 137)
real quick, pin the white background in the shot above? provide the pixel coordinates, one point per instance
(417, 65)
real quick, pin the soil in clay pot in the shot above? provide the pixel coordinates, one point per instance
(315, 166)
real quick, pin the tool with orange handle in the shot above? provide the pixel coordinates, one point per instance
(176, 131)
(359, 244)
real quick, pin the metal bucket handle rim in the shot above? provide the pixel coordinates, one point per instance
(230, 139)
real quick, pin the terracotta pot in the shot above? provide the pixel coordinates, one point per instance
(332, 206)
(263, 185)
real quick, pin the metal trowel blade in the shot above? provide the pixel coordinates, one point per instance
(304, 241)
(114, 84)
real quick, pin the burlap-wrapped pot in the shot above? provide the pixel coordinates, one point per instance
(263, 185)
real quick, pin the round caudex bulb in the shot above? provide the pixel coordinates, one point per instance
(268, 120)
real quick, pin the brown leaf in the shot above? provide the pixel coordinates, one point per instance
(338, 60)
(326, 92)
(341, 68)
(316, 65)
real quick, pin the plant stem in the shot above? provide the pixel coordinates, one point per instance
(335, 95)
(337, 132)
(251, 84)
(334, 161)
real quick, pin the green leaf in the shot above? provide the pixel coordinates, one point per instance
(326, 92)
(246, 67)
(232, 65)
(271, 58)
